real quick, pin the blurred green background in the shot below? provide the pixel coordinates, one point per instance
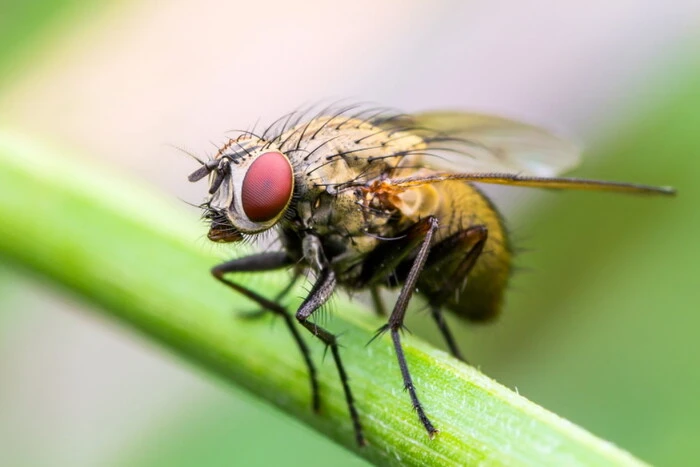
(600, 325)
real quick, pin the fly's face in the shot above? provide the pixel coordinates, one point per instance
(250, 189)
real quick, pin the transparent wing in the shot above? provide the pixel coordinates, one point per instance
(468, 142)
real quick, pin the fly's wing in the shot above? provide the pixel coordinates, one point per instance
(489, 149)
(470, 142)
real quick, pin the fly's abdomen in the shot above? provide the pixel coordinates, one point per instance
(470, 262)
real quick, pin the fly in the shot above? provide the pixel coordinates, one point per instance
(368, 200)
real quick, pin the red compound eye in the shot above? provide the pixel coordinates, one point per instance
(267, 187)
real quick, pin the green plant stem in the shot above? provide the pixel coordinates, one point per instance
(143, 261)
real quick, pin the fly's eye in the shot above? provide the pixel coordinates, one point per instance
(267, 187)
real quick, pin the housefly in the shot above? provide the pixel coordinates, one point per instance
(370, 199)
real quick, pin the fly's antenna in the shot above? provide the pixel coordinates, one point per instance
(221, 172)
(203, 171)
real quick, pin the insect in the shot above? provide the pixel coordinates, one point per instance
(370, 199)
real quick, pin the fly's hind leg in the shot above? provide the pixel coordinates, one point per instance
(467, 244)
(436, 313)
(268, 262)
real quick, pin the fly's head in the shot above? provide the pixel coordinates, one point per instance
(250, 189)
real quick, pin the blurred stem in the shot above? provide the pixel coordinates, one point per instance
(140, 260)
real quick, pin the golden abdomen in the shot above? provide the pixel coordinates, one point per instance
(479, 295)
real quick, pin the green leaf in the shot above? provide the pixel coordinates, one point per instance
(142, 261)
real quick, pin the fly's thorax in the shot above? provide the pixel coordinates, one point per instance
(341, 222)
(330, 152)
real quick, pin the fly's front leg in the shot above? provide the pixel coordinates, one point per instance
(320, 293)
(422, 231)
(268, 262)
